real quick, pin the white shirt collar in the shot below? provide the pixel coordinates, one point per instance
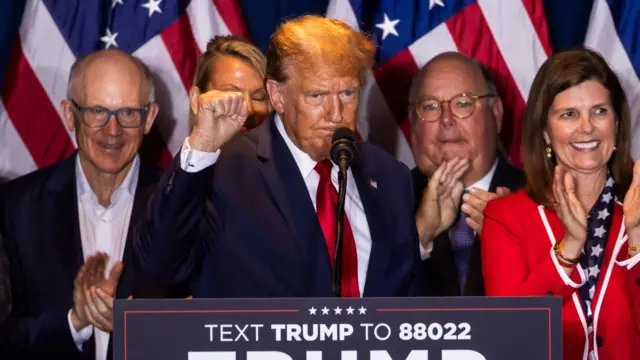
(485, 182)
(128, 186)
(305, 163)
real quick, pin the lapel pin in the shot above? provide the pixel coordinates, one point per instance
(373, 184)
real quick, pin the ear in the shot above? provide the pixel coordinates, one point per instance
(67, 112)
(194, 95)
(276, 95)
(498, 113)
(547, 139)
(151, 117)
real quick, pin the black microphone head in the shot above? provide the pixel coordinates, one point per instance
(343, 146)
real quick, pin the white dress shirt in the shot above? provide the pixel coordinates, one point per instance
(193, 161)
(482, 184)
(103, 230)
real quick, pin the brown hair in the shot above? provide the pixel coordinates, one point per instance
(309, 39)
(560, 72)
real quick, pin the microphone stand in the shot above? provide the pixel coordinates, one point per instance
(342, 192)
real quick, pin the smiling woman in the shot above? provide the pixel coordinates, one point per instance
(570, 227)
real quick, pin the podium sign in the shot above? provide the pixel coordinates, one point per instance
(464, 328)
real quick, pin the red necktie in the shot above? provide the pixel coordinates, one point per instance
(326, 203)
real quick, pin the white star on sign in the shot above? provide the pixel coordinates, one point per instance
(325, 311)
(607, 197)
(596, 250)
(350, 310)
(337, 310)
(153, 6)
(388, 27)
(600, 231)
(362, 310)
(109, 39)
(603, 214)
(433, 3)
(593, 271)
(116, 2)
(312, 311)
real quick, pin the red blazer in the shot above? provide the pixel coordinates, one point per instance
(517, 259)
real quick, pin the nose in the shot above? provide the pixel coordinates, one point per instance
(249, 102)
(335, 109)
(112, 127)
(586, 125)
(446, 116)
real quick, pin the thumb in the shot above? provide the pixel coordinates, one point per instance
(114, 276)
(636, 173)
(503, 191)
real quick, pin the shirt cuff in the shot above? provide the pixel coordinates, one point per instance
(426, 253)
(82, 336)
(193, 160)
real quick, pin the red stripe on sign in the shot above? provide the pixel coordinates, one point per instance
(394, 79)
(232, 16)
(535, 9)
(483, 48)
(32, 113)
(182, 47)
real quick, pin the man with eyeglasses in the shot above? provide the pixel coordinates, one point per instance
(68, 226)
(456, 117)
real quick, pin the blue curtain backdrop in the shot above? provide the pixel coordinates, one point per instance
(567, 20)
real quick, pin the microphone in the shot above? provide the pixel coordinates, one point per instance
(343, 151)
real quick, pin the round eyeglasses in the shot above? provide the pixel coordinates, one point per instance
(461, 106)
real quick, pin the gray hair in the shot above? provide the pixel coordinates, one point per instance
(78, 66)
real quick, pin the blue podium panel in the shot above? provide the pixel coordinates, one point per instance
(464, 328)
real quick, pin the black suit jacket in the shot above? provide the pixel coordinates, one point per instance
(39, 221)
(440, 267)
(5, 291)
(248, 226)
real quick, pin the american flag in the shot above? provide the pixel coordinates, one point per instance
(509, 36)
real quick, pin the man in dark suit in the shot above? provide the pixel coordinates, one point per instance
(254, 215)
(456, 118)
(55, 219)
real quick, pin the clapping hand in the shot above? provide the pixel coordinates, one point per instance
(570, 211)
(632, 208)
(441, 200)
(99, 291)
(475, 202)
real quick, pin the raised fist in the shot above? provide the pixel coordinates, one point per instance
(220, 115)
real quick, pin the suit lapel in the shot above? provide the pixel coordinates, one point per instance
(144, 190)
(365, 176)
(64, 230)
(291, 196)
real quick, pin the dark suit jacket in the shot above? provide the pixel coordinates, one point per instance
(5, 291)
(251, 218)
(440, 268)
(39, 221)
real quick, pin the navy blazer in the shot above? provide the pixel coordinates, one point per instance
(247, 226)
(39, 221)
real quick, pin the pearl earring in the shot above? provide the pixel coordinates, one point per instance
(548, 151)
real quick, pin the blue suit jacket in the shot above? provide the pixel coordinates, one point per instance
(39, 221)
(247, 226)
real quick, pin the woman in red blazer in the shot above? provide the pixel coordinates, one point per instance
(567, 234)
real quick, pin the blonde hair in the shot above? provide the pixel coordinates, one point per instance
(227, 45)
(308, 40)
(230, 46)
